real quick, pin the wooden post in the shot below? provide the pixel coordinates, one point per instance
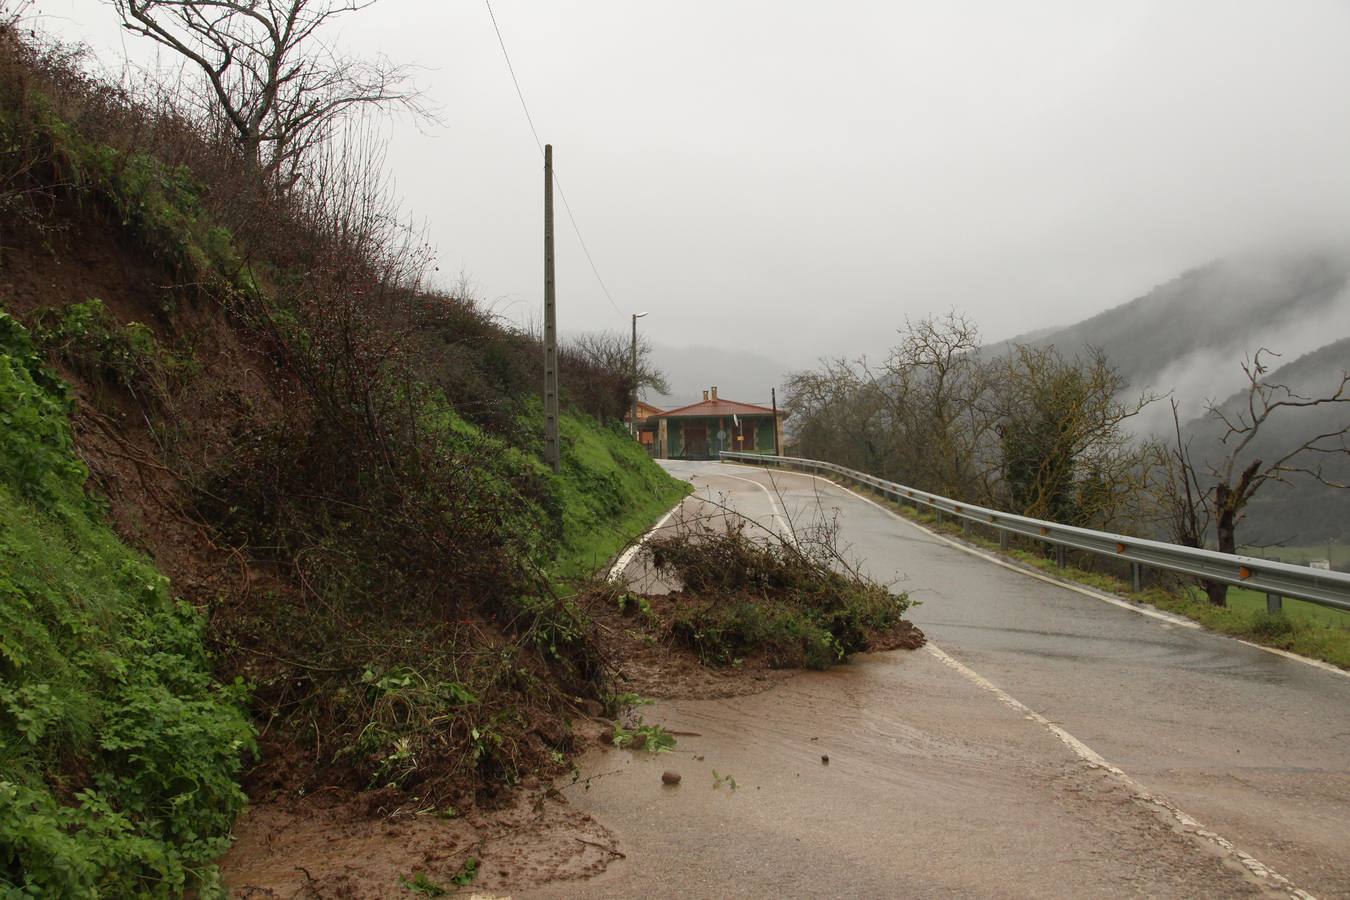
(552, 450)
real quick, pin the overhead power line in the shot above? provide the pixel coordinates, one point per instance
(562, 195)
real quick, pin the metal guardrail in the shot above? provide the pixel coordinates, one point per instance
(1274, 578)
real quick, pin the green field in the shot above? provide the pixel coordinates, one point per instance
(1338, 554)
(1255, 601)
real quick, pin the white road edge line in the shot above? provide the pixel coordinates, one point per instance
(1097, 761)
(1094, 759)
(627, 556)
(1171, 619)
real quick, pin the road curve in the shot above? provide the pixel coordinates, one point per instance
(1050, 743)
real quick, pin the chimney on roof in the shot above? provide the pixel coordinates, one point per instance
(714, 392)
(705, 396)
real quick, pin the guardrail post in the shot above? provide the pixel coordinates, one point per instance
(1003, 539)
(1059, 555)
(939, 514)
(965, 527)
(1274, 603)
(1136, 578)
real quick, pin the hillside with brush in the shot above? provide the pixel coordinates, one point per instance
(272, 512)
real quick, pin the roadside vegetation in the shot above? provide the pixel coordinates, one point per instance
(272, 511)
(742, 597)
(1034, 430)
(793, 601)
(119, 753)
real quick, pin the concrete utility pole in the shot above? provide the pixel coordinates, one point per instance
(633, 422)
(773, 395)
(552, 452)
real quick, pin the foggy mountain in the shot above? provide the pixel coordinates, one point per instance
(743, 375)
(1188, 337)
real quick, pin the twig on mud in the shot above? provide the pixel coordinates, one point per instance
(586, 782)
(620, 854)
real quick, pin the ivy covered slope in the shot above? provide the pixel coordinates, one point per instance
(119, 756)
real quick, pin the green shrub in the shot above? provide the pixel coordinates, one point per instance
(87, 338)
(794, 601)
(119, 756)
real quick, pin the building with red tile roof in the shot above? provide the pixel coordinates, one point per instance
(700, 430)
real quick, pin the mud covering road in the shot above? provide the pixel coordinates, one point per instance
(1047, 743)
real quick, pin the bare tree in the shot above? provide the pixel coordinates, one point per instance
(1237, 473)
(599, 373)
(944, 380)
(270, 75)
(1182, 501)
(844, 413)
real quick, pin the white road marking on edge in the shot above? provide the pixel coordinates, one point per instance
(1081, 750)
(1095, 759)
(627, 556)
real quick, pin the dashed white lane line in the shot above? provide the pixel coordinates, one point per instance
(1094, 759)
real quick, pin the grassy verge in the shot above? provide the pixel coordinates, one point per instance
(118, 754)
(610, 492)
(1303, 628)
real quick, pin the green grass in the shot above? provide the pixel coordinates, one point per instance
(1337, 554)
(118, 753)
(611, 491)
(1307, 629)
(607, 493)
(1255, 601)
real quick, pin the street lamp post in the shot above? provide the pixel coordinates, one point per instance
(633, 420)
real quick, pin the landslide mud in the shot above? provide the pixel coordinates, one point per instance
(929, 790)
(325, 848)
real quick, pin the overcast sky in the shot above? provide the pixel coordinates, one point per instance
(796, 178)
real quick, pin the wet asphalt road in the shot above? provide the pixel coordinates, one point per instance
(946, 791)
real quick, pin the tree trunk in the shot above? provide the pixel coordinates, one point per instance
(1225, 528)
